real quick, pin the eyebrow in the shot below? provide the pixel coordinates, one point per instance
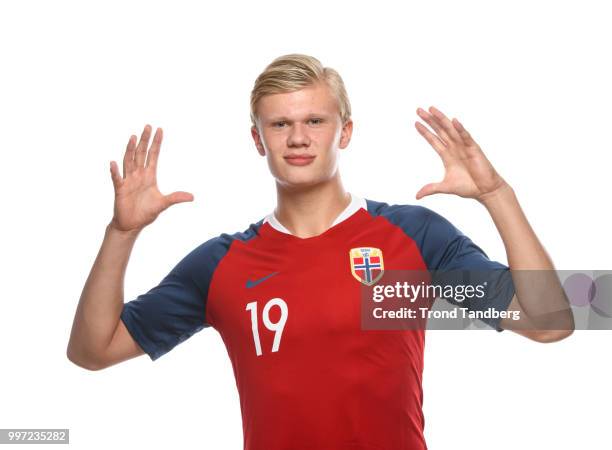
(309, 116)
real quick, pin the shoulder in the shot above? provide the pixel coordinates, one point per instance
(412, 218)
(437, 239)
(210, 252)
(396, 211)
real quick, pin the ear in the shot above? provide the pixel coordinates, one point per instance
(257, 139)
(346, 133)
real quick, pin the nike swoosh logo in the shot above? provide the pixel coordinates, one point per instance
(250, 284)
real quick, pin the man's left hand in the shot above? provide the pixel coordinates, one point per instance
(468, 172)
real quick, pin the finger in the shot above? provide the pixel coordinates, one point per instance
(428, 189)
(154, 150)
(141, 150)
(445, 123)
(128, 157)
(178, 197)
(438, 145)
(117, 179)
(465, 135)
(433, 123)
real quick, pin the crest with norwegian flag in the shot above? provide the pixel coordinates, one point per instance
(366, 264)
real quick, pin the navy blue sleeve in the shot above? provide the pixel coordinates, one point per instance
(175, 309)
(459, 260)
(445, 248)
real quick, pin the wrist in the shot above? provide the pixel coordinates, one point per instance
(112, 228)
(502, 194)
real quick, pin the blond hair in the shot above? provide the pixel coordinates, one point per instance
(293, 72)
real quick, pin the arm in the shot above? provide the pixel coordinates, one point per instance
(538, 290)
(99, 338)
(544, 309)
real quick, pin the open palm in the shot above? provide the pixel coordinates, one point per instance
(138, 201)
(468, 172)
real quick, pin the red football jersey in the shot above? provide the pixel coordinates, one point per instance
(288, 310)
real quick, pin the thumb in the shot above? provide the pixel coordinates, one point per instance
(178, 197)
(428, 189)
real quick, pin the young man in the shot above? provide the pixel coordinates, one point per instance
(284, 294)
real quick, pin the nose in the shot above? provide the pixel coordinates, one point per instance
(298, 136)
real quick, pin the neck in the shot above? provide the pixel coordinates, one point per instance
(311, 211)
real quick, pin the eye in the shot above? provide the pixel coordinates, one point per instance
(316, 121)
(279, 124)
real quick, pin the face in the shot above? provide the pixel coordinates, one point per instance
(305, 123)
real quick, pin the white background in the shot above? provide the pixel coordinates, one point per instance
(530, 80)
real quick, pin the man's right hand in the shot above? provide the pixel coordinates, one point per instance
(138, 201)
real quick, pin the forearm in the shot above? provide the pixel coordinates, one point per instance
(537, 286)
(523, 248)
(101, 302)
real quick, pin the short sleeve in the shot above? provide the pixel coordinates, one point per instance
(446, 249)
(459, 260)
(175, 309)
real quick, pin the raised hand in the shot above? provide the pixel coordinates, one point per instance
(468, 172)
(138, 201)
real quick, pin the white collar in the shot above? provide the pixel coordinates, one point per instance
(355, 204)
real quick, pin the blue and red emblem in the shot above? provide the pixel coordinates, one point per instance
(366, 264)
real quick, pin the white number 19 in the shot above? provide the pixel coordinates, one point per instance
(276, 327)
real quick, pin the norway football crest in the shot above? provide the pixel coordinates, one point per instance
(366, 264)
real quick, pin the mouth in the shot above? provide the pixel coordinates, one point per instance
(301, 159)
